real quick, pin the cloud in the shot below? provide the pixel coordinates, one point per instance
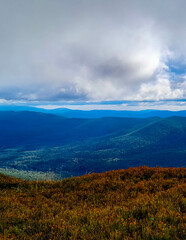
(131, 106)
(160, 90)
(92, 50)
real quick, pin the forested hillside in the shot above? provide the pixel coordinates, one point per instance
(39, 142)
(33, 129)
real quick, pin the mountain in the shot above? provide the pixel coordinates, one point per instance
(28, 128)
(41, 142)
(69, 113)
(137, 203)
(114, 113)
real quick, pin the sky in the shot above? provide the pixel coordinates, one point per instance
(103, 51)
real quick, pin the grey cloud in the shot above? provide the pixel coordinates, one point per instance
(91, 50)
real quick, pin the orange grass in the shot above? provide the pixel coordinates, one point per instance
(138, 203)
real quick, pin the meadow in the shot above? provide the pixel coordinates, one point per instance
(138, 203)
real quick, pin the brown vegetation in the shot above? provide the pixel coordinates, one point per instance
(138, 203)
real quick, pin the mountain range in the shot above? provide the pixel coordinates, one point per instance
(34, 141)
(70, 113)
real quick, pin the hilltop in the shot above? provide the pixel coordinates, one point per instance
(139, 203)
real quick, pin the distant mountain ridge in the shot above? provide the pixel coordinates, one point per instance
(40, 129)
(96, 113)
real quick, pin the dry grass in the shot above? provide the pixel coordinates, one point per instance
(138, 203)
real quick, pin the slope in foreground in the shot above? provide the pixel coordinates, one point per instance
(138, 203)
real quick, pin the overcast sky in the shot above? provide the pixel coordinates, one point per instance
(92, 50)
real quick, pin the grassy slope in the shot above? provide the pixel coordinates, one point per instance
(138, 203)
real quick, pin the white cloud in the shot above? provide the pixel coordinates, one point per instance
(159, 90)
(131, 106)
(91, 50)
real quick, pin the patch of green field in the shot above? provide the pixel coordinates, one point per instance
(30, 175)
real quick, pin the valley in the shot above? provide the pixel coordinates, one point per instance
(66, 147)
